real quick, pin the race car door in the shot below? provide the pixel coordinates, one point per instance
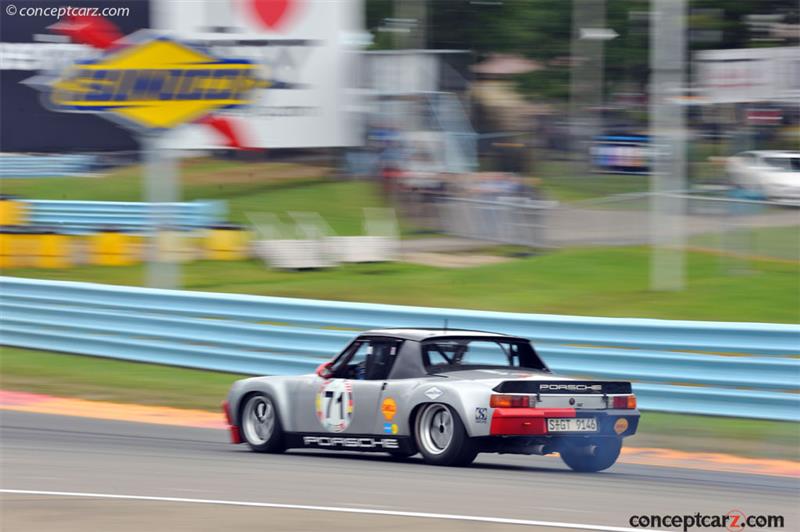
(348, 403)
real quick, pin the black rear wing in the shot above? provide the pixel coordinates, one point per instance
(564, 387)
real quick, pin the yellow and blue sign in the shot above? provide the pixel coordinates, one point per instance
(155, 83)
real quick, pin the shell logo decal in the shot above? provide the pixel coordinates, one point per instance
(389, 408)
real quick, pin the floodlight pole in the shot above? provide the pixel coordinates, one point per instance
(668, 144)
(161, 189)
(415, 37)
(586, 78)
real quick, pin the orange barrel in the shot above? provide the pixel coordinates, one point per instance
(53, 250)
(8, 255)
(12, 210)
(112, 247)
(25, 242)
(226, 242)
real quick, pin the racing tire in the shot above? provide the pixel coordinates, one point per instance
(261, 425)
(597, 456)
(441, 437)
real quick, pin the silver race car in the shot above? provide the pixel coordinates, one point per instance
(446, 394)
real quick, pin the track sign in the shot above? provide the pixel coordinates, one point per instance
(153, 83)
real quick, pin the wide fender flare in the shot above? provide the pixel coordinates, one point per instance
(275, 387)
(462, 396)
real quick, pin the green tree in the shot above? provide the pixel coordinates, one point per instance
(542, 30)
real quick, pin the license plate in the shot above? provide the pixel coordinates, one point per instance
(572, 424)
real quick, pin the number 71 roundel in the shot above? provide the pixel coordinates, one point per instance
(334, 403)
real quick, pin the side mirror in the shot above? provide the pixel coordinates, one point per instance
(324, 370)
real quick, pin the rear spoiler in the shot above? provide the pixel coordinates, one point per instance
(564, 387)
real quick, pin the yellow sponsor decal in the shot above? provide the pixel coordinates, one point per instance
(157, 83)
(388, 408)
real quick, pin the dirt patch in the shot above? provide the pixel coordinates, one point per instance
(443, 260)
(204, 172)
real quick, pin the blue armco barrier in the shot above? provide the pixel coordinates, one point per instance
(731, 369)
(15, 166)
(91, 216)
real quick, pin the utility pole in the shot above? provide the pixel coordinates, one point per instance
(411, 18)
(586, 77)
(161, 190)
(668, 144)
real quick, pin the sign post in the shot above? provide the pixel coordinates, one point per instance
(152, 84)
(161, 191)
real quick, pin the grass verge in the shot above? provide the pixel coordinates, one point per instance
(113, 380)
(103, 379)
(775, 242)
(252, 187)
(589, 282)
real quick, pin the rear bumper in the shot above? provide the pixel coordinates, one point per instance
(533, 422)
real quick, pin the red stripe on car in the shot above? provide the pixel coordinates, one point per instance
(524, 421)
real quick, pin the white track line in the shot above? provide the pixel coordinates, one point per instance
(368, 511)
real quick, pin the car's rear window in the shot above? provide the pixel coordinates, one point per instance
(452, 354)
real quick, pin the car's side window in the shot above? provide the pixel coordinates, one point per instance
(382, 359)
(367, 360)
(344, 366)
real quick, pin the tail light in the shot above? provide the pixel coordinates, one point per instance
(627, 402)
(510, 401)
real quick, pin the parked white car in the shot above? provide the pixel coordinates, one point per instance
(775, 175)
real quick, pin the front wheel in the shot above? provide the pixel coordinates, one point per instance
(261, 425)
(596, 456)
(441, 437)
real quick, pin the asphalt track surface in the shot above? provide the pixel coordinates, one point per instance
(79, 455)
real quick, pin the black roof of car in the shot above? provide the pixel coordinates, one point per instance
(428, 334)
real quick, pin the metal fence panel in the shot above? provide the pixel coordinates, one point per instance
(506, 220)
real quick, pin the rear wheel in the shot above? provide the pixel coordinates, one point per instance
(596, 456)
(441, 437)
(261, 425)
